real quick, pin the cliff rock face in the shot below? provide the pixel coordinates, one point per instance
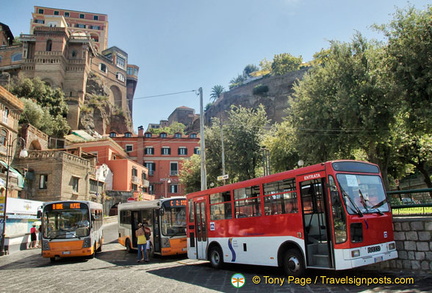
(98, 114)
(272, 92)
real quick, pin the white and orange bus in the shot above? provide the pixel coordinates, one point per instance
(166, 218)
(71, 229)
(332, 215)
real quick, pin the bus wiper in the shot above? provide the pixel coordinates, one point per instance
(363, 201)
(356, 210)
(378, 205)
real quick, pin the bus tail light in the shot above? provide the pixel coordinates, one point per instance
(45, 245)
(86, 242)
(165, 243)
(355, 253)
(392, 246)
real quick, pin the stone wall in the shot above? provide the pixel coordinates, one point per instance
(413, 237)
(274, 97)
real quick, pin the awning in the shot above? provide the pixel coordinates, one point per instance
(14, 173)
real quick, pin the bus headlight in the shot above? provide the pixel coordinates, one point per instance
(392, 246)
(86, 242)
(166, 243)
(355, 253)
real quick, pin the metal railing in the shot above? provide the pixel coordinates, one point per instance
(417, 202)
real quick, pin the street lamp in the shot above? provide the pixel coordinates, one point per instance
(166, 182)
(23, 154)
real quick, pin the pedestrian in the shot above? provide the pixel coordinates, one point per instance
(33, 237)
(141, 241)
(40, 236)
(147, 233)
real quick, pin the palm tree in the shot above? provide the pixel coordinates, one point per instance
(216, 91)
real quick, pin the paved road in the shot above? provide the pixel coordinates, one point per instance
(115, 270)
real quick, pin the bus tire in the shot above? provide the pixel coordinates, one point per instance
(294, 264)
(128, 246)
(216, 257)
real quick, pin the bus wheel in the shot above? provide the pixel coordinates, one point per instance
(128, 246)
(294, 263)
(52, 259)
(216, 257)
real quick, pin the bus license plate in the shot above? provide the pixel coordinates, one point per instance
(66, 252)
(378, 259)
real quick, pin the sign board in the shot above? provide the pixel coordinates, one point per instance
(223, 177)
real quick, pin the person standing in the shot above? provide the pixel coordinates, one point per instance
(147, 233)
(33, 237)
(141, 241)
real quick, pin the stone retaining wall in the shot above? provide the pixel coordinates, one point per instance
(413, 238)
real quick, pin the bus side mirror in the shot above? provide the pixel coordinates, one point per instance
(93, 217)
(39, 214)
(161, 212)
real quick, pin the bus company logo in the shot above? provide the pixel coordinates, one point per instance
(374, 249)
(238, 280)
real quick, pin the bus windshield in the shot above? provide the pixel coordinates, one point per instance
(363, 193)
(174, 221)
(64, 223)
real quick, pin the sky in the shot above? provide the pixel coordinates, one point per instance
(182, 45)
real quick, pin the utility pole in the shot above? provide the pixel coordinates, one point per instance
(202, 145)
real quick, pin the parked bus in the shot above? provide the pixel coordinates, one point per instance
(166, 218)
(332, 215)
(71, 228)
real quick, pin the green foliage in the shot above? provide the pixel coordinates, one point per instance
(45, 107)
(190, 174)
(176, 127)
(238, 81)
(216, 92)
(280, 141)
(284, 63)
(249, 69)
(242, 137)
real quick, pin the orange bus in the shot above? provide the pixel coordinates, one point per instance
(332, 215)
(166, 218)
(71, 229)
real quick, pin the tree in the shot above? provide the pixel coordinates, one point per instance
(237, 81)
(175, 127)
(38, 98)
(243, 134)
(409, 63)
(284, 63)
(216, 92)
(249, 69)
(280, 142)
(190, 174)
(343, 108)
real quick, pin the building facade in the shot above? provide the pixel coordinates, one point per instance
(68, 49)
(163, 155)
(10, 144)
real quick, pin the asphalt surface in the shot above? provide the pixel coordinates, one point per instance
(115, 270)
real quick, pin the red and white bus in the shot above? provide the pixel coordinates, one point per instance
(332, 215)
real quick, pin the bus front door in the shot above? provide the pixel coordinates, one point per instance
(315, 219)
(201, 229)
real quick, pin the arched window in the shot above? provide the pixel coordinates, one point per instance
(48, 45)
